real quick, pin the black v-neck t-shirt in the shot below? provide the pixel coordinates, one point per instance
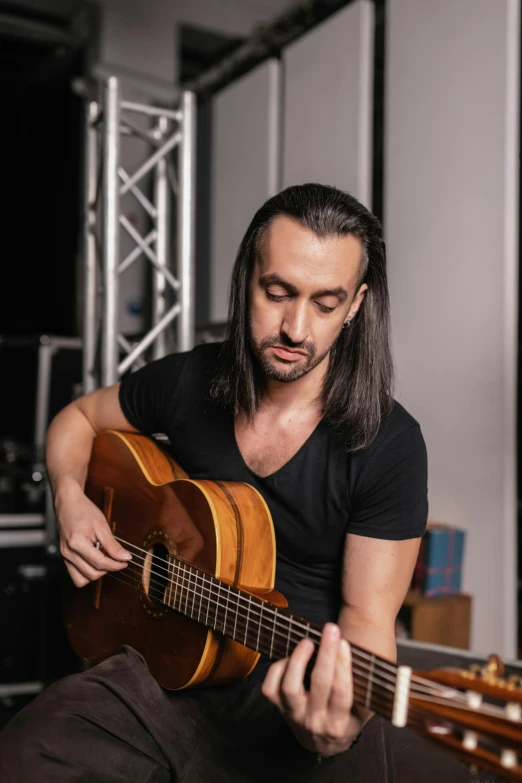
(315, 499)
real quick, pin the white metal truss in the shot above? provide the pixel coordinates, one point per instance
(108, 353)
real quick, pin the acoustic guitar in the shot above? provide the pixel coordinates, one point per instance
(197, 600)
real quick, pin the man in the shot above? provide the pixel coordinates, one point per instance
(298, 402)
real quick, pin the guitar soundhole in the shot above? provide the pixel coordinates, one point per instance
(155, 573)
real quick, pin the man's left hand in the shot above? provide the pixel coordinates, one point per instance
(320, 717)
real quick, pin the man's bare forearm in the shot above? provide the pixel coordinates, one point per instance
(81, 524)
(68, 449)
(373, 638)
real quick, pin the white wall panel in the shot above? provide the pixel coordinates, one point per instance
(328, 103)
(245, 168)
(138, 38)
(451, 223)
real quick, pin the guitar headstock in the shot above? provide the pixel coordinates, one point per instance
(475, 714)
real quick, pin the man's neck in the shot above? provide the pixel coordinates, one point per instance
(292, 396)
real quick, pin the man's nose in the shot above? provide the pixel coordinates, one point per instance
(295, 323)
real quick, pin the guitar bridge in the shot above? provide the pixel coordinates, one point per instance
(108, 495)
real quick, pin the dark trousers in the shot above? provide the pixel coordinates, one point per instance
(114, 723)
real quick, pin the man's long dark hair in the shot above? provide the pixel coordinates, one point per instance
(358, 387)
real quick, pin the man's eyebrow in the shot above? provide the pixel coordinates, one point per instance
(274, 278)
(339, 292)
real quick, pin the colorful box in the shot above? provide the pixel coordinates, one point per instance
(438, 570)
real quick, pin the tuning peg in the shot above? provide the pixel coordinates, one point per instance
(513, 710)
(474, 700)
(492, 672)
(513, 682)
(470, 740)
(495, 666)
(508, 758)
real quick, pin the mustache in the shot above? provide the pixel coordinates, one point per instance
(284, 341)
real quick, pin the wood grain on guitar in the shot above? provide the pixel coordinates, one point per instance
(197, 600)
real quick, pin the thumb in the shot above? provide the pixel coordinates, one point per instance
(111, 546)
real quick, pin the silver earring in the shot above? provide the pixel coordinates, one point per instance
(346, 324)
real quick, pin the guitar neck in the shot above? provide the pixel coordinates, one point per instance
(270, 630)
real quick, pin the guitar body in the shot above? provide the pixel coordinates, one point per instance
(223, 528)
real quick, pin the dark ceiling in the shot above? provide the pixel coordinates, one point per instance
(49, 9)
(37, 46)
(200, 49)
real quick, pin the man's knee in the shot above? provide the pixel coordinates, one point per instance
(40, 727)
(20, 744)
(62, 736)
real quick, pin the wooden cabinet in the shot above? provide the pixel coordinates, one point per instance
(444, 619)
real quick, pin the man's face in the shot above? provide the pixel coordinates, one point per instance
(303, 289)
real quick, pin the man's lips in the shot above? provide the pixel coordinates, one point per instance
(288, 353)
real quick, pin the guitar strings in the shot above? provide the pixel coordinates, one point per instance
(435, 698)
(385, 702)
(252, 615)
(267, 611)
(361, 691)
(428, 684)
(495, 712)
(355, 655)
(130, 581)
(422, 684)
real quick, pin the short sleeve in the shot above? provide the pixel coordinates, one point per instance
(390, 500)
(148, 395)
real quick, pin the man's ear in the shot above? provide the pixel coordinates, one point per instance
(357, 301)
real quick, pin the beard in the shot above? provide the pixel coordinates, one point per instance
(277, 369)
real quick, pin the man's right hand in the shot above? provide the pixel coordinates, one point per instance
(81, 525)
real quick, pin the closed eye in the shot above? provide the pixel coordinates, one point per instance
(279, 298)
(276, 297)
(324, 309)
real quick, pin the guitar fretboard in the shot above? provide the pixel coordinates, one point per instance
(270, 630)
